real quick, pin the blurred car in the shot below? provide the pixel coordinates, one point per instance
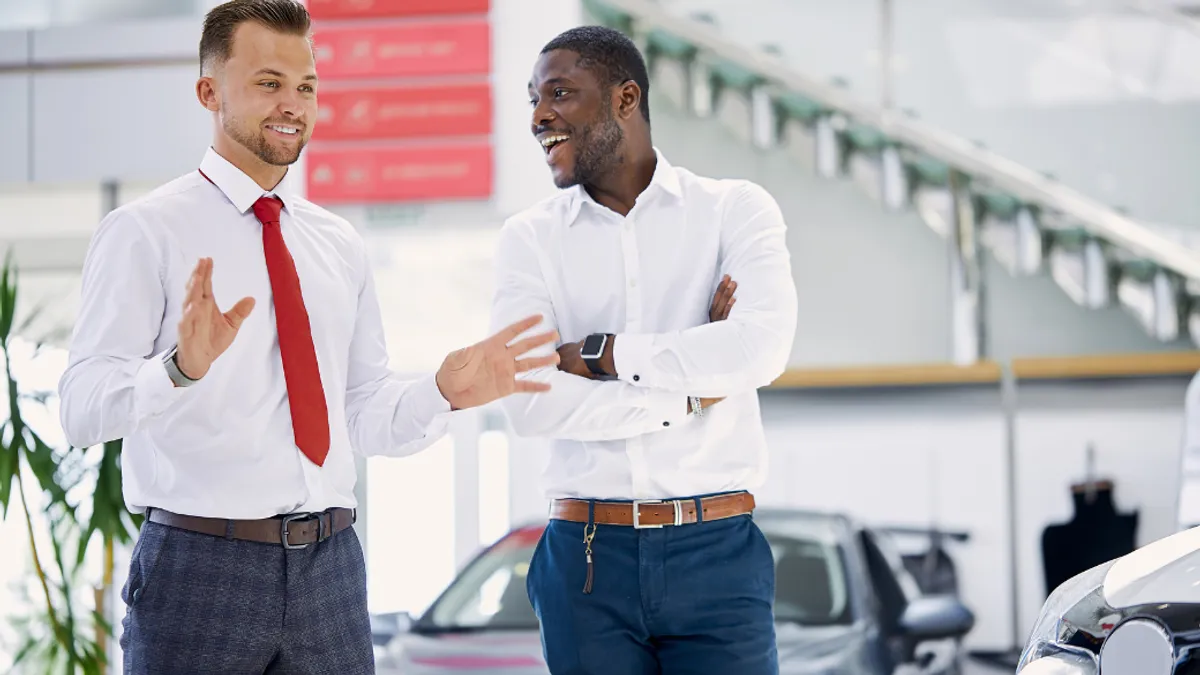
(845, 605)
(1135, 615)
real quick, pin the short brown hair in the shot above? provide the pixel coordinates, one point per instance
(216, 42)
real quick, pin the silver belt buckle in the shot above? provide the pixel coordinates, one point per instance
(637, 511)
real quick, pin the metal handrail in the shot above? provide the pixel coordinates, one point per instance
(968, 157)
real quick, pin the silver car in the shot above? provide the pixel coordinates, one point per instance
(845, 605)
(1136, 615)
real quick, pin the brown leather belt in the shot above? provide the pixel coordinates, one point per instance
(654, 513)
(292, 531)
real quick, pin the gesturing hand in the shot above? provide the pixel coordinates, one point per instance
(722, 302)
(487, 370)
(204, 331)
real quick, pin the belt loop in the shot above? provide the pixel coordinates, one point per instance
(699, 510)
(229, 529)
(591, 513)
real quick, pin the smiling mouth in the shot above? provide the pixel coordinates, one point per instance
(283, 130)
(550, 142)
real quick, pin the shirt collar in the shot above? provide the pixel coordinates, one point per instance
(665, 179)
(239, 188)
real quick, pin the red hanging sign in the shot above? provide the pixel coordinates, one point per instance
(358, 9)
(422, 173)
(405, 112)
(403, 50)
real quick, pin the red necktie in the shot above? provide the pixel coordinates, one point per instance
(306, 397)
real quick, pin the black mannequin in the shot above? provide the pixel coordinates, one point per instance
(1095, 535)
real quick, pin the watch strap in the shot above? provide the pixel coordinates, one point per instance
(594, 366)
(173, 371)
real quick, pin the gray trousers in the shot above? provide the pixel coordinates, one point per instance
(203, 604)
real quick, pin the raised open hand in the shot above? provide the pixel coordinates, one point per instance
(487, 370)
(722, 302)
(204, 331)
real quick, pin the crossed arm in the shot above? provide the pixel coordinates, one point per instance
(658, 373)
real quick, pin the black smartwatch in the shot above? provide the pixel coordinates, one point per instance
(593, 349)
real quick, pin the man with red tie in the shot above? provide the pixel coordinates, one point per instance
(230, 333)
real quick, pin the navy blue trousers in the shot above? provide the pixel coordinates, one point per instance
(202, 604)
(688, 600)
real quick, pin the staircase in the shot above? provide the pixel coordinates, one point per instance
(795, 90)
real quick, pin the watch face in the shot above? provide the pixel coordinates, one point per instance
(593, 346)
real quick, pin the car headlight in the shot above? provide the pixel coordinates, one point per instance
(1072, 619)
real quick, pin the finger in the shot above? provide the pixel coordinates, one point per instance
(720, 292)
(513, 330)
(533, 363)
(238, 313)
(725, 293)
(532, 343)
(208, 268)
(194, 285)
(530, 387)
(730, 288)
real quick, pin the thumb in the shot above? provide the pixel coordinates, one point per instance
(238, 313)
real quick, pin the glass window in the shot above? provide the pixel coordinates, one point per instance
(810, 582)
(490, 593)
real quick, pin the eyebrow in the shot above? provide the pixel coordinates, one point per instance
(276, 73)
(551, 81)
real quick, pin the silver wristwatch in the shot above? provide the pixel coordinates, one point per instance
(173, 371)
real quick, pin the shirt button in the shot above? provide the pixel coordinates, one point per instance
(666, 424)
(633, 283)
(637, 378)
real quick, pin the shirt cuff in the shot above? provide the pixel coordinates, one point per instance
(631, 357)
(669, 407)
(430, 408)
(153, 389)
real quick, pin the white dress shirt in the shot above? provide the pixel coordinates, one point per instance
(649, 278)
(223, 447)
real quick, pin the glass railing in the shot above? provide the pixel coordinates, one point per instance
(1018, 125)
(1101, 94)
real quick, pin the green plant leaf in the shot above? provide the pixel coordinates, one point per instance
(8, 470)
(44, 464)
(8, 298)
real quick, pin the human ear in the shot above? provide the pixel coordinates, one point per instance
(627, 97)
(206, 93)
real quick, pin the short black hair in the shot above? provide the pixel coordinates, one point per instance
(216, 41)
(610, 54)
